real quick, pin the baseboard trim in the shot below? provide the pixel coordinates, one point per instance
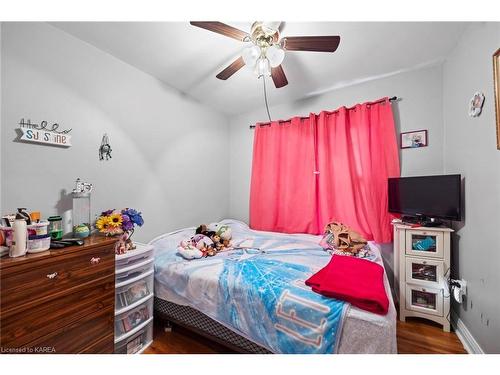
(468, 341)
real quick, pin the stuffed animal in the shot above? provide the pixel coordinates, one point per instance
(225, 234)
(208, 240)
(204, 243)
(203, 229)
(188, 251)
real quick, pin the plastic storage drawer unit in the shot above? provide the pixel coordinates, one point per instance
(134, 257)
(134, 290)
(134, 283)
(137, 342)
(131, 319)
(125, 274)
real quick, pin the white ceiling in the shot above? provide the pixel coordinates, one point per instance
(188, 58)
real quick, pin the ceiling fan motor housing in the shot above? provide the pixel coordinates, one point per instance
(264, 34)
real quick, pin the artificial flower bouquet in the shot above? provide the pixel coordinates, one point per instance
(115, 222)
(120, 223)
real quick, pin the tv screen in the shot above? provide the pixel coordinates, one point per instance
(430, 196)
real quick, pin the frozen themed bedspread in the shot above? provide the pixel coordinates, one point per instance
(258, 291)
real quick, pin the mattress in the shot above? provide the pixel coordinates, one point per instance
(197, 284)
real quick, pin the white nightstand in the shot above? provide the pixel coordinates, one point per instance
(422, 268)
(134, 279)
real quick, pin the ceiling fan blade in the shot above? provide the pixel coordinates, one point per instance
(311, 43)
(231, 69)
(221, 28)
(279, 77)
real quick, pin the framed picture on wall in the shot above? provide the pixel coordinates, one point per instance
(496, 78)
(414, 139)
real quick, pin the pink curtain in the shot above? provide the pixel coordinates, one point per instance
(283, 187)
(330, 167)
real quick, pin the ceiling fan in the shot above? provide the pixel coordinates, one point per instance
(267, 50)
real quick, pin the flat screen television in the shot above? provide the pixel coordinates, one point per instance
(436, 197)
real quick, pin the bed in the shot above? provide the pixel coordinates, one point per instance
(254, 299)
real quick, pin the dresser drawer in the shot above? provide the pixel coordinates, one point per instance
(27, 285)
(77, 336)
(424, 300)
(423, 271)
(17, 330)
(424, 243)
(104, 346)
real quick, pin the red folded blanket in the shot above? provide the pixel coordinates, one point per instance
(354, 280)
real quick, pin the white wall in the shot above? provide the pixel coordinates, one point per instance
(420, 108)
(470, 149)
(170, 157)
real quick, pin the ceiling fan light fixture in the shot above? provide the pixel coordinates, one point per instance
(250, 56)
(262, 68)
(275, 55)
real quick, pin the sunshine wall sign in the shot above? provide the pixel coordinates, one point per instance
(44, 133)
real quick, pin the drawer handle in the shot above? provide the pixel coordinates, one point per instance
(95, 260)
(52, 275)
(424, 262)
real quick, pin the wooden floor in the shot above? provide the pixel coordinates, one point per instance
(416, 336)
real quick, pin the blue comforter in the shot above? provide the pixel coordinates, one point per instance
(257, 289)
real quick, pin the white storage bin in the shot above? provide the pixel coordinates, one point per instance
(134, 257)
(125, 274)
(130, 321)
(133, 290)
(37, 244)
(137, 342)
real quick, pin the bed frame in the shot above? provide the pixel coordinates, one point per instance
(201, 324)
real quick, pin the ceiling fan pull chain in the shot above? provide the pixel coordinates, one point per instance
(265, 96)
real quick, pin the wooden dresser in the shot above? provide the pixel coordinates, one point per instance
(59, 301)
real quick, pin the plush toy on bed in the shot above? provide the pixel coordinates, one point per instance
(207, 241)
(188, 251)
(219, 234)
(225, 234)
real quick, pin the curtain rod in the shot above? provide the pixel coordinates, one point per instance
(392, 99)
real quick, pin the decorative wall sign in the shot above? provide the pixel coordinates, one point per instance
(43, 133)
(476, 104)
(414, 139)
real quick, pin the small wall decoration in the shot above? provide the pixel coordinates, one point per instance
(43, 133)
(496, 77)
(105, 149)
(476, 104)
(414, 139)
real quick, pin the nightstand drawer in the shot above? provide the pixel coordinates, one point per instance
(426, 272)
(424, 243)
(31, 284)
(424, 300)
